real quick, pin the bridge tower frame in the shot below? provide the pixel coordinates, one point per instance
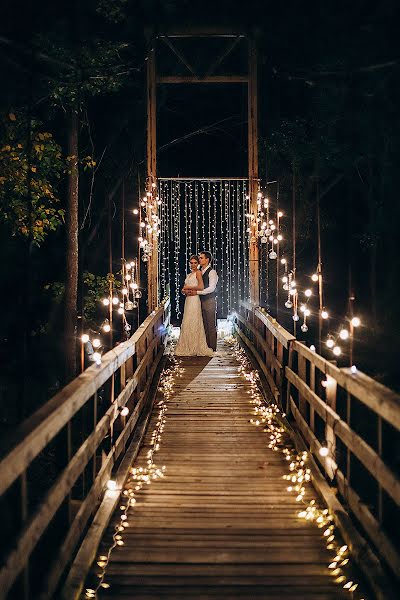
(251, 79)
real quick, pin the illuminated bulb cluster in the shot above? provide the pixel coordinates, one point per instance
(149, 221)
(270, 419)
(264, 228)
(95, 343)
(345, 333)
(139, 476)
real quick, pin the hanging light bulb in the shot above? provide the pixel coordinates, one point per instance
(124, 411)
(135, 211)
(324, 451)
(308, 293)
(344, 334)
(337, 351)
(330, 343)
(304, 327)
(272, 255)
(96, 357)
(120, 310)
(356, 322)
(288, 304)
(115, 300)
(314, 277)
(106, 301)
(325, 314)
(96, 343)
(284, 279)
(283, 261)
(106, 326)
(84, 338)
(124, 291)
(295, 317)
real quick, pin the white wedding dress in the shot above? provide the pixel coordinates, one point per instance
(192, 339)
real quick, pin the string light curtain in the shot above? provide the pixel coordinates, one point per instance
(204, 214)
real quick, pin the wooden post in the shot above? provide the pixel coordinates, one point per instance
(331, 388)
(152, 265)
(253, 172)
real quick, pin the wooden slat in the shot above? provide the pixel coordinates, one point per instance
(174, 79)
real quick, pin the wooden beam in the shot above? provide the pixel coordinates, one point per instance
(253, 171)
(178, 54)
(205, 79)
(152, 264)
(223, 55)
(189, 32)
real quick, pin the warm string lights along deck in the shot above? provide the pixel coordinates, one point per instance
(270, 418)
(139, 476)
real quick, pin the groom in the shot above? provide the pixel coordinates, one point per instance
(208, 298)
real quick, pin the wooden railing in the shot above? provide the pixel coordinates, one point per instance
(344, 411)
(82, 426)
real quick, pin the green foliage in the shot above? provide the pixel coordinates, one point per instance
(31, 165)
(95, 288)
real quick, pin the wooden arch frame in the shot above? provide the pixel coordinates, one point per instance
(154, 78)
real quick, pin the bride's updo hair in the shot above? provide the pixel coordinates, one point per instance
(194, 257)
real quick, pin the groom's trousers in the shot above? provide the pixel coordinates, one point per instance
(209, 312)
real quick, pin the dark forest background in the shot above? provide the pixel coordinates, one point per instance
(73, 108)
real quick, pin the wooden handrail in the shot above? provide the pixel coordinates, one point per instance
(40, 429)
(265, 338)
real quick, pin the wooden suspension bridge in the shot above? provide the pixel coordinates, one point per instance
(221, 521)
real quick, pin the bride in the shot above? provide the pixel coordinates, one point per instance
(192, 340)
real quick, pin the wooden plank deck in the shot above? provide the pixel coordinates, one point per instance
(220, 524)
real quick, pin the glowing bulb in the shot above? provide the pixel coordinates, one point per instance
(304, 328)
(353, 369)
(106, 301)
(124, 411)
(96, 343)
(314, 277)
(280, 237)
(324, 314)
(344, 334)
(84, 338)
(115, 300)
(307, 312)
(96, 357)
(283, 261)
(337, 351)
(284, 279)
(111, 485)
(120, 310)
(323, 451)
(135, 211)
(280, 214)
(124, 291)
(293, 283)
(312, 348)
(308, 293)
(356, 322)
(330, 343)
(107, 327)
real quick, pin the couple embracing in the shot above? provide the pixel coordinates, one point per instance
(198, 335)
